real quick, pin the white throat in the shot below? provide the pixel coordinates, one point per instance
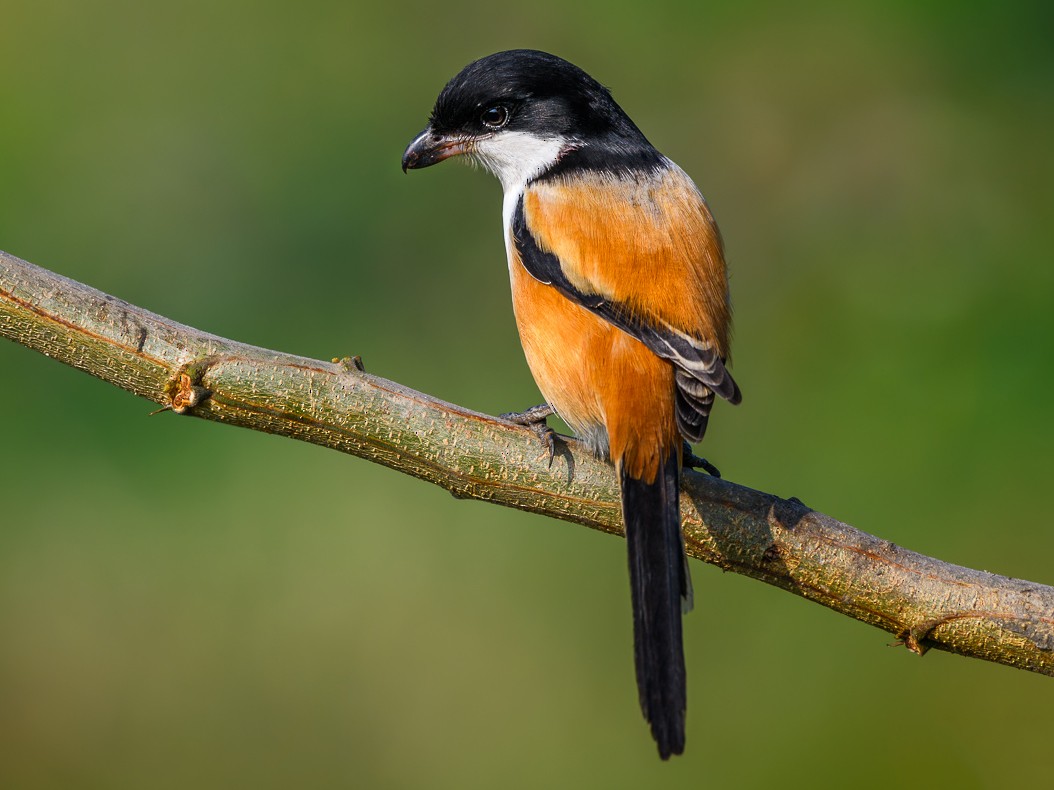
(517, 157)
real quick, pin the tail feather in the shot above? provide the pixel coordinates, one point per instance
(660, 585)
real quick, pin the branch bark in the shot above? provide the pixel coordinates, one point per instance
(922, 601)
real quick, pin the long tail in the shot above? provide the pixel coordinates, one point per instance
(659, 580)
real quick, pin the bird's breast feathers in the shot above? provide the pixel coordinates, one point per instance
(621, 272)
(643, 240)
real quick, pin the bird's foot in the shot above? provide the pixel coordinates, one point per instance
(535, 419)
(693, 461)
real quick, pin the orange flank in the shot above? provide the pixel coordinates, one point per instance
(596, 376)
(646, 241)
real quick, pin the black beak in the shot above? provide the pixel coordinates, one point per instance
(429, 149)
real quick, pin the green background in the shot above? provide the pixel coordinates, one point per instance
(185, 605)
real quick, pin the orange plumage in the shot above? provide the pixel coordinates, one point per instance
(649, 243)
(621, 300)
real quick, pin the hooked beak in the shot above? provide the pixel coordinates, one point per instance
(429, 149)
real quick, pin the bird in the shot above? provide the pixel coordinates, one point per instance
(621, 299)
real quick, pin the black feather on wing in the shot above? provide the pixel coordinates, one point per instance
(701, 371)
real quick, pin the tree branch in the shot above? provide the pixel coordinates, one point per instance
(923, 601)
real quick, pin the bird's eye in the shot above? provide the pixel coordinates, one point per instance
(495, 117)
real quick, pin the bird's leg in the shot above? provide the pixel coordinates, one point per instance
(535, 419)
(693, 461)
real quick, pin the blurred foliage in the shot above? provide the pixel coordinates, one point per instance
(188, 606)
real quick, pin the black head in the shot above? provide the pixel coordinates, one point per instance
(542, 94)
(506, 107)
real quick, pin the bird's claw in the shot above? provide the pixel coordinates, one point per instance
(535, 419)
(693, 461)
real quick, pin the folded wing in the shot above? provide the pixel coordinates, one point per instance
(683, 326)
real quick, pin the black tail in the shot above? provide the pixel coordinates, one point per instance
(659, 580)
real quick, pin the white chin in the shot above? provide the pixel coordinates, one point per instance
(517, 157)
